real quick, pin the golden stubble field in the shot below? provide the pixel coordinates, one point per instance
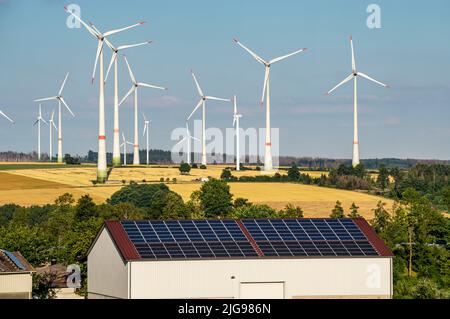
(41, 186)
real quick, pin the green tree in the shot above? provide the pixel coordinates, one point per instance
(85, 208)
(185, 168)
(167, 205)
(226, 174)
(254, 211)
(238, 202)
(383, 177)
(354, 211)
(294, 173)
(381, 220)
(43, 285)
(216, 199)
(338, 211)
(140, 195)
(291, 211)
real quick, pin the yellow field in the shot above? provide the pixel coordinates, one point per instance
(42, 186)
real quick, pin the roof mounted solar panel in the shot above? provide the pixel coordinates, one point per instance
(14, 259)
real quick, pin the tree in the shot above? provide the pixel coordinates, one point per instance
(382, 219)
(216, 199)
(293, 173)
(239, 202)
(291, 211)
(185, 168)
(383, 177)
(85, 208)
(122, 211)
(43, 285)
(226, 174)
(254, 211)
(338, 211)
(354, 211)
(167, 205)
(140, 195)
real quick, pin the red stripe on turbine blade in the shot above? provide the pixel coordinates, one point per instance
(116, 130)
(136, 145)
(102, 137)
(355, 143)
(268, 144)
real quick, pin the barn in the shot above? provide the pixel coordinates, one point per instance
(244, 258)
(16, 276)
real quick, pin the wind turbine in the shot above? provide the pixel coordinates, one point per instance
(202, 102)
(38, 122)
(236, 118)
(134, 88)
(51, 126)
(7, 117)
(101, 37)
(114, 60)
(60, 100)
(146, 130)
(266, 94)
(124, 145)
(188, 138)
(354, 75)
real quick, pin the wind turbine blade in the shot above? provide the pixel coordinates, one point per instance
(194, 138)
(266, 79)
(113, 57)
(253, 54)
(130, 143)
(40, 111)
(200, 92)
(195, 109)
(128, 94)
(287, 56)
(37, 121)
(371, 79)
(99, 50)
(44, 121)
(122, 47)
(53, 123)
(235, 104)
(95, 33)
(151, 86)
(234, 120)
(47, 99)
(145, 129)
(67, 107)
(145, 118)
(353, 55)
(129, 70)
(121, 145)
(181, 141)
(7, 117)
(107, 34)
(63, 84)
(123, 138)
(217, 99)
(348, 78)
(53, 114)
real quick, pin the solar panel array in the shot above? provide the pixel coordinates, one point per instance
(190, 239)
(14, 259)
(309, 237)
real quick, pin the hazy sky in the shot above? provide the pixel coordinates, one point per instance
(411, 52)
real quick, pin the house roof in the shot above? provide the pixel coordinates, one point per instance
(13, 262)
(245, 238)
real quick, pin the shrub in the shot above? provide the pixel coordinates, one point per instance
(202, 166)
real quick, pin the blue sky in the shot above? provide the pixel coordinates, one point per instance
(411, 52)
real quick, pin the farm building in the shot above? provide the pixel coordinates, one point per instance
(248, 258)
(16, 276)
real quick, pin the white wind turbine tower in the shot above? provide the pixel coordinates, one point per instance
(124, 145)
(188, 139)
(236, 118)
(134, 88)
(114, 59)
(51, 125)
(202, 102)
(354, 75)
(101, 163)
(146, 130)
(38, 122)
(60, 100)
(6, 117)
(266, 94)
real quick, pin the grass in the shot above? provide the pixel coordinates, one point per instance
(45, 183)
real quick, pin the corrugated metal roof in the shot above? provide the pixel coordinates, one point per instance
(246, 238)
(13, 262)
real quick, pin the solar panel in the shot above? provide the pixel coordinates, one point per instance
(187, 239)
(14, 259)
(309, 237)
(191, 239)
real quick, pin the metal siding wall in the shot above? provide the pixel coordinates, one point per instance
(302, 277)
(16, 283)
(107, 274)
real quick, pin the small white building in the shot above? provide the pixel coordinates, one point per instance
(251, 258)
(16, 276)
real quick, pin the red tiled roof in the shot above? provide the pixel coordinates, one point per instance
(120, 237)
(373, 238)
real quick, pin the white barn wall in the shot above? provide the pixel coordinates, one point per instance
(303, 278)
(107, 273)
(16, 285)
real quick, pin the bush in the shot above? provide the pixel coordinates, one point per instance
(141, 195)
(161, 179)
(202, 166)
(226, 174)
(185, 168)
(216, 199)
(194, 166)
